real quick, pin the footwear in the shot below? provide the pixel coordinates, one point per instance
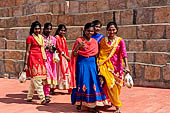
(44, 102)
(29, 100)
(94, 110)
(78, 107)
(52, 92)
(47, 98)
(117, 110)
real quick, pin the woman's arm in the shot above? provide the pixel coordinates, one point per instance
(26, 56)
(127, 70)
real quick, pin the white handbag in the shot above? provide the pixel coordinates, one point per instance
(22, 77)
(56, 57)
(128, 81)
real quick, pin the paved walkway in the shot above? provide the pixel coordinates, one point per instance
(135, 100)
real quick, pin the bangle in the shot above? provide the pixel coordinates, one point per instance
(62, 53)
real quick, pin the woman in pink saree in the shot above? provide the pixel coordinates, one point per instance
(50, 43)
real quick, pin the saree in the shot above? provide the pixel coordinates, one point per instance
(110, 63)
(88, 89)
(63, 66)
(36, 63)
(50, 64)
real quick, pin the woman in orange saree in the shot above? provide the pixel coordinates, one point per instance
(110, 63)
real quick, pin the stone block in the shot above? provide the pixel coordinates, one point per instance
(130, 57)
(127, 32)
(2, 33)
(20, 2)
(162, 14)
(20, 45)
(32, 18)
(156, 45)
(3, 23)
(56, 8)
(11, 34)
(117, 4)
(11, 44)
(135, 45)
(23, 21)
(161, 58)
(150, 31)
(74, 32)
(33, 1)
(65, 19)
(54, 20)
(1, 54)
(17, 11)
(2, 68)
(74, 7)
(85, 18)
(139, 71)
(167, 31)
(17, 55)
(126, 17)
(144, 58)
(2, 43)
(108, 17)
(166, 72)
(70, 44)
(102, 5)
(83, 6)
(11, 22)
(10, 66)
(10, 11)
(144, 16)
(137, 3)
(19, 66)
(152, 73)
(43, 8)
(92, 6)
(22, 34)
(44, 18)
(9, 3)
(157, 2)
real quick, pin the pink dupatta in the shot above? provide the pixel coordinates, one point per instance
(90, 49)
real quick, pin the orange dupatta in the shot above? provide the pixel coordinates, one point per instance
(90, 49)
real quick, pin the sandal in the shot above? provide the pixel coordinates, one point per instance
(44, 102)
(47, 98)
(29, 100)
(78, 107)
(94, 110)
(117, 110)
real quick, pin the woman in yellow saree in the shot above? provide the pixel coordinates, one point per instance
(110, 63)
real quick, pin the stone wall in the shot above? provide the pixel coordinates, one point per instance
(144, 25)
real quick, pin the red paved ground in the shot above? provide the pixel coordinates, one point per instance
(135, 100)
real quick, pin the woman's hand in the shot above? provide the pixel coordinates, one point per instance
(25, 67)
(81, 44)
(127, 70)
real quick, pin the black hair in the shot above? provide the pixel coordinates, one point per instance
(33, 25)
(87, 26)
(96, 22)
(61, 26)
(46, 25)
(110, 24)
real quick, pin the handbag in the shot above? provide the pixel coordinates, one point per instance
(128, 80)
(56, 57)
(22, 77)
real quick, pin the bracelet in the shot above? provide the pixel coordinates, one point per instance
(62, 53)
